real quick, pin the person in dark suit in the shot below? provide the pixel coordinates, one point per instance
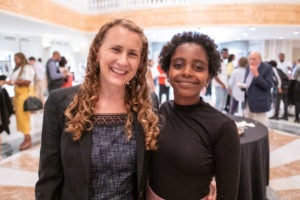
(54, 76)
(259, 81)
(97, 137)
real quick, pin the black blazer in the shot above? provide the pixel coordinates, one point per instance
(64, 163)
(259, 92)
(6, 110)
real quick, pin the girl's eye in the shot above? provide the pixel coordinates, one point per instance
(199, 68)
(177, 65)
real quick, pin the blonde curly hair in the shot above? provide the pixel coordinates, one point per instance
(137, 99)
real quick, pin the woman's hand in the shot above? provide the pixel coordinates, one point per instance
(2, 82)
(212, 191)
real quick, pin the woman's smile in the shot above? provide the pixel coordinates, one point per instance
(118, 71)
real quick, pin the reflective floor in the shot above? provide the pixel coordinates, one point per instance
(18, 170)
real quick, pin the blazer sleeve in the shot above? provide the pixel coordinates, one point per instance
(227, 161)
(265, 78)
(50, 171)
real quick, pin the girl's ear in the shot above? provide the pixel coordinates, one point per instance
(208, 80)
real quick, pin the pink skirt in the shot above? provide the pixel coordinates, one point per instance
(150, 195)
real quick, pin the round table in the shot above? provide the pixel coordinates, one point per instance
(254, 172)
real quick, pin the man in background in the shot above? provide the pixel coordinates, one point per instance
(259, 81)
(281, 87)
(54, 76)
(164, 85)
(221, 82)
(284, 65)
(39, 78)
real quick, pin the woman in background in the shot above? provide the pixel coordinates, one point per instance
(198, 142)
(23, 80)
(65, 70)
(237, 77)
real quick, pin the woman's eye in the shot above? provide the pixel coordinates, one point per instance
(133, 54)
(116, 49)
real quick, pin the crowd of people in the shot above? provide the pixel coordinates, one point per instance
(113, 137)
(28, 79)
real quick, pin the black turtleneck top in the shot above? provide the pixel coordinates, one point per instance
(197, 143)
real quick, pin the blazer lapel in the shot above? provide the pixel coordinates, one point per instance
(85, 149)
(140, 148)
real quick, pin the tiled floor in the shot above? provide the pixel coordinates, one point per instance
(18, 170)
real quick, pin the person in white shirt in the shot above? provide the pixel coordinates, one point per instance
(221, 82)
(237, 77)
(39, 78)
(284, 65)
(22, 78)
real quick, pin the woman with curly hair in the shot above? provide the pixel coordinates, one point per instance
(96, 138)
(23, 79)
(198, 142)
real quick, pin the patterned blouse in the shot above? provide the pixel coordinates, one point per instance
(113, 159)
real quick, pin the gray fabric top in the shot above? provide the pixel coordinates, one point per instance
(113, 159)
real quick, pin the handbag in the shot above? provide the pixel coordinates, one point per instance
(32, 104)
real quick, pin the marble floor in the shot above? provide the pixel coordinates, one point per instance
(18, 170)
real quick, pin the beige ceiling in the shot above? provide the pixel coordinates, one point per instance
(224, 23)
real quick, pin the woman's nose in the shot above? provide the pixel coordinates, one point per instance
(123, 59)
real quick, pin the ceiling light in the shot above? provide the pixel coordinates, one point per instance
(252, 29)
(245, 34)
(296, 32)
(280, 38)
(46, 42)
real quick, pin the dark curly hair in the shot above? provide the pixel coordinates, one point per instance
(214, 61)
(63, 61)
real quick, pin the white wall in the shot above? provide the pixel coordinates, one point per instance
(33, 46)
(274, 47)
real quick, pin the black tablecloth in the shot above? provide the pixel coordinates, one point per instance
(254, 176)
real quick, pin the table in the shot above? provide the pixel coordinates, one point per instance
(254, 172)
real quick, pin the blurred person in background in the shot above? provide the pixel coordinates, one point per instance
(150, 78)
(280, 90)
(296, 76)
(164, 85)
(237, 77)
(285, 66)
(259, 81)
(54, 76)
(221, 82)
(39, 78)
(230, 68)
(23, 79)
(68, 80)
